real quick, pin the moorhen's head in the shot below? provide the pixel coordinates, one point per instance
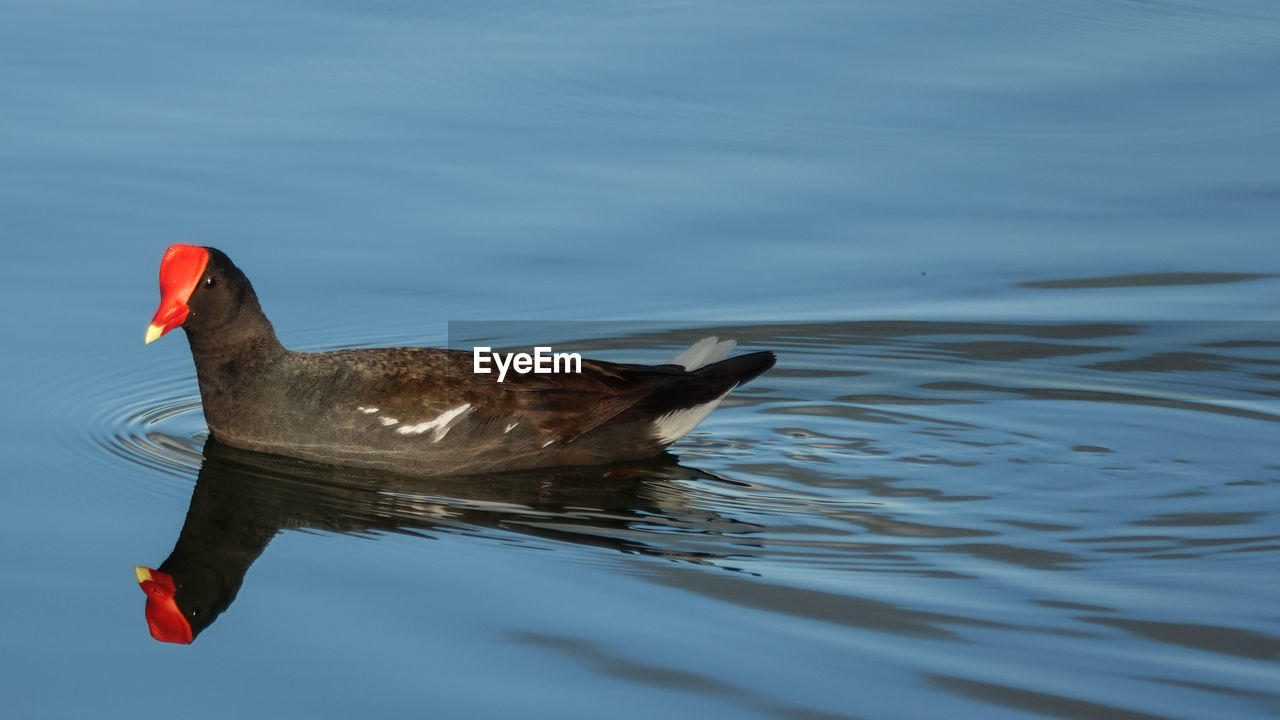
(200, 290)
(178, 608)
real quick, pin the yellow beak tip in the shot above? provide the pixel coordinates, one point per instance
(153, 332)
(143, 574)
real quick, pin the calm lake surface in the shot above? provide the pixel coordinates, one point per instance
(1019, 263)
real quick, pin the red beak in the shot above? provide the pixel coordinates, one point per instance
(180, 273)
(163, 615)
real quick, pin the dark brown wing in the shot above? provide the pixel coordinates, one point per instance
(412, 385)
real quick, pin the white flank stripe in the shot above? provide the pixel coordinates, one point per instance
(440, 424)
(389, 421)
(510, 427)
(367, 411)
(677, 423)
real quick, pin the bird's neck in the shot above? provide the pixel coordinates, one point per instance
(246, 337)
(235, 363)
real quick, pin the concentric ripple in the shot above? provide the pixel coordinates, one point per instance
(139, 416)
(915, 478)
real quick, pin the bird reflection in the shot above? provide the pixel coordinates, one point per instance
(242, 499)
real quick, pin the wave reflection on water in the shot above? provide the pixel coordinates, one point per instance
(1093, 500)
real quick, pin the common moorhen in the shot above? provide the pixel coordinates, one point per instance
(423, 411)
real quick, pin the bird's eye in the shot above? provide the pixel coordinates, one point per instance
(211, 281)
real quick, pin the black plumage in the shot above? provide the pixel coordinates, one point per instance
(424, 411)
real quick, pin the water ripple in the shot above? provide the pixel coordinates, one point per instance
(881, 466)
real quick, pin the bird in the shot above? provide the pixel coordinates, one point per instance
(423, 411)
(242, 500)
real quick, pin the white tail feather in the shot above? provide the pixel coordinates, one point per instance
(677, 423)
(704, 352)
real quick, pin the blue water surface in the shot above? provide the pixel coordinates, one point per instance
(1018, 261)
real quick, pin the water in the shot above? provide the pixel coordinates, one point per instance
(1017, 261)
